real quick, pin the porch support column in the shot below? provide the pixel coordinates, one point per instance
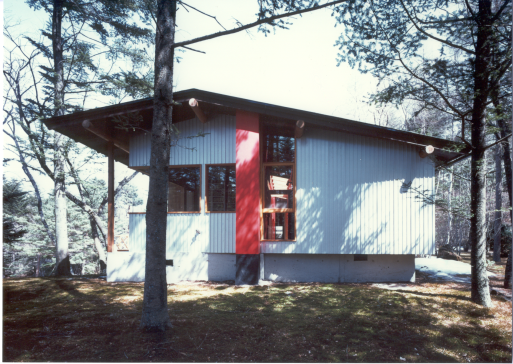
(110, 198)
(247, 171)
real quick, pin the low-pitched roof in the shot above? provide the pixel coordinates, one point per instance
(214, 103)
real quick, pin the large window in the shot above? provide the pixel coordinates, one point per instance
(220, 190)
(184, 189)
(278, 187)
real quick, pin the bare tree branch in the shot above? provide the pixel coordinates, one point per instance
(121, 185)
(199, 11)
(254, 24)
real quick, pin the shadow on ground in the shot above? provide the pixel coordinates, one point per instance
(50, 319)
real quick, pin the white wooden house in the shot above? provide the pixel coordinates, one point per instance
(274, 193)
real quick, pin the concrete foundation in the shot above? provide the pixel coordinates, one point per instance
(338, 268)
(328, 268)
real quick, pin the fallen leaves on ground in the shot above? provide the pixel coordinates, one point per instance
(79, 319)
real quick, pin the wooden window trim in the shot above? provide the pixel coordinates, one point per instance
(280, 211)
(200, 194)
(262, 190)
(206, 188)
(266, 164)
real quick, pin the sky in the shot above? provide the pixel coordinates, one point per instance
(294, 68)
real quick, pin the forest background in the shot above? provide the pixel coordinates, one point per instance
(314, 81)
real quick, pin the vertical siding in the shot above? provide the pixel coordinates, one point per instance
(349, 197)
(187, 233)
(222, 233)
(203, 232)
(139, 150)
(217, 146)
(137, 232)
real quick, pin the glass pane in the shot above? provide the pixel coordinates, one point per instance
(184, 189)
(221, 188)
(279, 226)
(278, 148)
(279, 187)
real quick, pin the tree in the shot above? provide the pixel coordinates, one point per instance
(92, 192)
(389, 35)
(155, 315)
(71, 71)
(14, 201)
(61, 232)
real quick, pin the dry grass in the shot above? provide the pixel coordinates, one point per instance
(497, 268)
(50, 319)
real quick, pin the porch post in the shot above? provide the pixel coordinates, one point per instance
(110, 198)
(247, 170)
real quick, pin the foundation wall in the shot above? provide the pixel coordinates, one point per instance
(326, 268)
(338, 268)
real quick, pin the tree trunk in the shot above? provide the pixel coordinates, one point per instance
(507, 159)
(102, 257)
(155, 316)
(38, 265)
(507, 276)
(449, 205)
(505, 129)
(497, 221)
(480, 291)
(508, 282)
(61, 223)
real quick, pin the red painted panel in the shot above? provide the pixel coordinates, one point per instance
(248, 183)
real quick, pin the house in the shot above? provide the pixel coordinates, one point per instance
(273, 193)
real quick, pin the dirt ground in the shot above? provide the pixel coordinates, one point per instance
(88, 319)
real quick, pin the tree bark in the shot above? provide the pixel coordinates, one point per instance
(61, 223)
(155, 316)
(480, 291)
(497, 221)
(449, 205)
(506, 156)
(507, 276)
(102, 257)
(508, 281)
(505, 129)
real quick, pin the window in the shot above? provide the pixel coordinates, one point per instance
(220, 190)
(184, 189)
(278, 187)
(360, 257)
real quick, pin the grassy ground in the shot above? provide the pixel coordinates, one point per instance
(50, 319)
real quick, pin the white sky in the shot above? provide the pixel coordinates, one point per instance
(294, 68)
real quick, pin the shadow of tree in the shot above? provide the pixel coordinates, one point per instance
(98, 321)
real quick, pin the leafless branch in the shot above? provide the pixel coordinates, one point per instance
(254, 24)
(199, 11)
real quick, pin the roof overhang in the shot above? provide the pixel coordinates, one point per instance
(106, 120)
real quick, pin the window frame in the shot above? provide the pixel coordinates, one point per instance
(264, 210)
(200, 166)
(207, 210)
